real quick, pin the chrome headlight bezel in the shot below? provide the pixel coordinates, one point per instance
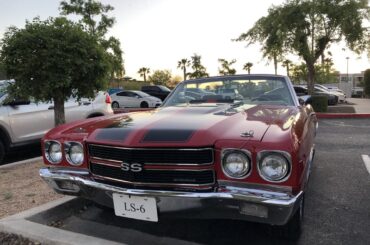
(47, 146)
(67, 150)
(261, 156)
(244, 153)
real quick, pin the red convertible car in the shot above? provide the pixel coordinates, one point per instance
(202, 156)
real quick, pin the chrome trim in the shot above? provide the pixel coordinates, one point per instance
(282, 199)
(67, 147)
(159, 184)
(47, 144)
(106, 164)
(154, 169)
(286, 155)
(162, 149)
(224, 203)
(246, 152)
(267, 187)
(108, 160)
(153, 184)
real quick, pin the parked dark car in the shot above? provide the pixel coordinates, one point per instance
(158, 91)
(302, 90)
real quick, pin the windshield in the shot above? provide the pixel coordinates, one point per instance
(142, 94)
(242, 90)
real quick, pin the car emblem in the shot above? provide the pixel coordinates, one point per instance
(247, 134)
(133, 167)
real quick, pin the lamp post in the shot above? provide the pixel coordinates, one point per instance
(347, 58)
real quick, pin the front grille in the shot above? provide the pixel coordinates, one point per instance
(163, 177)
(201, 156)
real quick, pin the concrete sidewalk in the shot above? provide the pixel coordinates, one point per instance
(362, 106)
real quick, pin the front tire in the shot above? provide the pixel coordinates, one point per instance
(292, 229)
(2, 152)
(115, 105)
(144, 104)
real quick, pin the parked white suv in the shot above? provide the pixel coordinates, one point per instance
(25, 122)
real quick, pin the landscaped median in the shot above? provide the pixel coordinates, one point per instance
(21, 188)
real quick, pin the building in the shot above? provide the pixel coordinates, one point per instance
(355, 79)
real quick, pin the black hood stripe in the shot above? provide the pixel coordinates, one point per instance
(117, 134)
(168, 135)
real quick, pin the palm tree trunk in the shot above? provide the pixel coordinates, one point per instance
(311, 77)
(275, 63)
(184, 73)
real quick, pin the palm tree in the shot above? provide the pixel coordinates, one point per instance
(226, 67)
(287, 63)
(247, 66)
(182, 64)
(143, 71)
(199, 70)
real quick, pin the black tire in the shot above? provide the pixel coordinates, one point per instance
(2, 152)
(115, 105)
(291, 230)
(144, 104)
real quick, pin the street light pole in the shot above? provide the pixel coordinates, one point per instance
(347, 58)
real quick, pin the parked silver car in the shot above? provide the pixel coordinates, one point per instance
(24, 121)
(135, 99)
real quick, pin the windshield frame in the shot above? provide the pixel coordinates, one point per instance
(284, 79)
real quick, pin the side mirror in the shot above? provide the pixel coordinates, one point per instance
(301, 101)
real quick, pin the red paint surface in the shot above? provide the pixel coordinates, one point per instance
(289, 129)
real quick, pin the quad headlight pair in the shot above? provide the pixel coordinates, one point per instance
(273, 166)
(73, 151)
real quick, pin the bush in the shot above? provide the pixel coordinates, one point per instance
(319, 103)
(367, 82)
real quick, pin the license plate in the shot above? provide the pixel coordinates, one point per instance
(135, 207)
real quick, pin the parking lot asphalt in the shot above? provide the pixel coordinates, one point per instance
(337, 204)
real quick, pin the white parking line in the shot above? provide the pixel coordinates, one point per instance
(366, 160)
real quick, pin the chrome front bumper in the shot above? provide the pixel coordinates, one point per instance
(229, 202)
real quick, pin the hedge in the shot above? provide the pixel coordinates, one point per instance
(319, 103)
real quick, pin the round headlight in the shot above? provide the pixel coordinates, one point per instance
(236, 164)
(53, 151)
(74, 153)
(274, 167)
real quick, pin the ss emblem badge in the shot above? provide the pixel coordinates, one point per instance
(133, 167)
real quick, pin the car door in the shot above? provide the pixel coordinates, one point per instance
(30, 121)
(124, 99)
(133, 99)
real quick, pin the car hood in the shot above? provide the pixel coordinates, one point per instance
(183, 126)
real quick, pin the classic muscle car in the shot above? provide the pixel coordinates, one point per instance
(213, 157)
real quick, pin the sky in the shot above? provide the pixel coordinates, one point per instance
(158, 33)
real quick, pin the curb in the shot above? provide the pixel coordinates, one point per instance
(341, 115)
(13, 164)
(22, 224)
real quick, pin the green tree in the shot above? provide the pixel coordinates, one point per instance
(95, 19)
(3, 75)
(309, 27)
(247, 66)
(143, 71)
(160, 77)
(52, 60)
(199, 70)
(226, 67)
(325, 73)
(183, 64)
(367, 82)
